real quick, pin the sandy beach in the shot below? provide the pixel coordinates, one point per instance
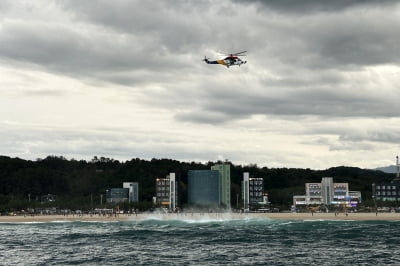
(203, 217)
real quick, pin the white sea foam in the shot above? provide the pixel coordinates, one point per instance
(199, 217)
(23, 222)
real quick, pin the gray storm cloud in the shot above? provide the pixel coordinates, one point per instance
(140, 63)
(312, 6)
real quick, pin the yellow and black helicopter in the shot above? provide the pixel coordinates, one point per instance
(229, 60)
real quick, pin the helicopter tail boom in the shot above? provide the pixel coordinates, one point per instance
(210, 62)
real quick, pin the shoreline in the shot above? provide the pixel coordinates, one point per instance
(204, 217)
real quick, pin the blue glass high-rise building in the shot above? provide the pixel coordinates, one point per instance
(204, 187)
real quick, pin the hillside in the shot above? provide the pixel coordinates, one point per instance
(80, 183)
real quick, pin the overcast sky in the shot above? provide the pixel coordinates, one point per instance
(124, 79)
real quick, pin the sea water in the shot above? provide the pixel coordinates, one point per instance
(201, 242)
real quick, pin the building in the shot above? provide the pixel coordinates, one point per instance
(48, 198)
(328, 193)
(128, 193)
(245, 191)
(210, 187)
(327, 190)
(225, 183)
(388, 191)
(355, 198)
(253, 192)
(173, 192)
(256, 190)
(133, 194)
(162, 191)
(341, 193)
(117, 195)
(204, 188)
(167, 191)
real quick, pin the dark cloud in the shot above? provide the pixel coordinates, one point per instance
(203, 116)
(43, 92)
(342, 41)
(374, 135)
(310, 6)
(159, 44)
(290, 104)
(345, 134)
(346, 146)
(117, 41)
(311, 66)
(174, 27)
(109, 48)
(360, 40)
(64, 50)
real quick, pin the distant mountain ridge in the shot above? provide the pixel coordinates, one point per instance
(391, 169)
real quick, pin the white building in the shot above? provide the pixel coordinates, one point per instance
(173, 196)
(245, 191)
(253, 192)
(328, 193)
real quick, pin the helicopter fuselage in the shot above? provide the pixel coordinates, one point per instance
(228, 61)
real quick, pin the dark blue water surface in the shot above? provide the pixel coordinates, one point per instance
(237, 242)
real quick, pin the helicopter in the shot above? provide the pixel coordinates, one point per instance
(229, 60)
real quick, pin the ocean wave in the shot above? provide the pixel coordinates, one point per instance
(212, 240)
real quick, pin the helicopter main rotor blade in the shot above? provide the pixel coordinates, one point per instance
(234, 54)
(240, 53)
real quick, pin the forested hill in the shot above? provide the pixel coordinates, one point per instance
(74, 179)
